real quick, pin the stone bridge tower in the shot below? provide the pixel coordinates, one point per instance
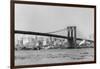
(71, 36)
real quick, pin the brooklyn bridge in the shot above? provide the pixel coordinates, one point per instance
(71, 33)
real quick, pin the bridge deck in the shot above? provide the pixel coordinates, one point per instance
(45, 34)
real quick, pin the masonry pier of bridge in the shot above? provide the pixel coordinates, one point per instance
(71, 36)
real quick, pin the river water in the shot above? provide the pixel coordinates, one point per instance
(32, 57)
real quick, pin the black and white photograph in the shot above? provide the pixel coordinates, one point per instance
(53, 34)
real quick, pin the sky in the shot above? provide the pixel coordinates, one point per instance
(39, 18)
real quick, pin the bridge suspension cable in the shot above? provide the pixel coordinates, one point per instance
(58, 30)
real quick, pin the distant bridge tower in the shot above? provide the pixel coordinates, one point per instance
(71, 36)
